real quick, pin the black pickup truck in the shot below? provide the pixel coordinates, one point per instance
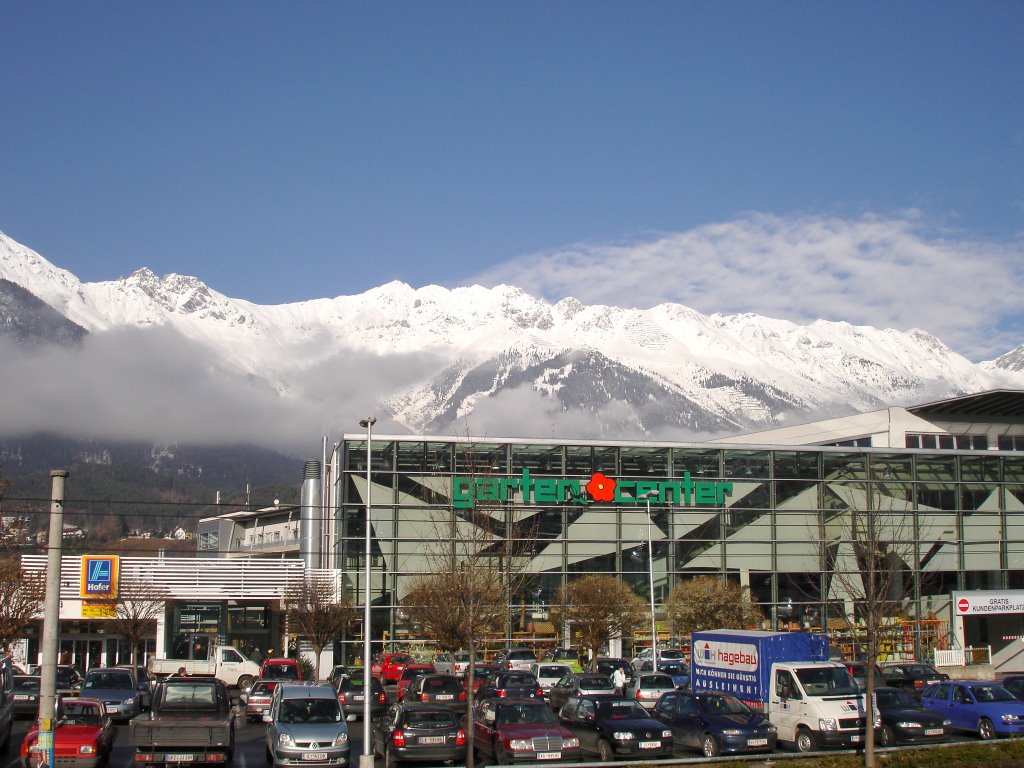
(190, 721)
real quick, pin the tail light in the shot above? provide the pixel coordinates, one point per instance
(460, 737)
(341, 698)
(540, 693)
(919, 683)
(398, 737)
(462, 695)
(424, 697)
(510, 665)
(501, 693)
(382, 698)
(639, 694)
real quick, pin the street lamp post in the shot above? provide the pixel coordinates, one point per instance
(366, 759)
(650, 574)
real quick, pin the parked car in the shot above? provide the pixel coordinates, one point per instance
(83, 737)
(980, 706)
(116, 688)
(548, 673)
(511, 685)
(390, 667)
(460, 663)
(351, 690)
(443, 690)
(912, 677)
(337, 672)
(26, 695)
(410, 673)
(517, 658)
(281, 669)
(677, 670)
(191, 718)
(715, 723)
(664, 654)
(859, 672)
(648, 687)
(145, 681)
(305, 724)
(577, 684)
(257, 699)
(68, 681)
(906, 721)
(419, 732)
(522, 730)
(615, 728)
(481, 674)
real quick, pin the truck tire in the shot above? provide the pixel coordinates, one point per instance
(986, 731)
(244, 682)
(804, 740)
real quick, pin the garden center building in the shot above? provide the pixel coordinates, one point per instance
(772, 511)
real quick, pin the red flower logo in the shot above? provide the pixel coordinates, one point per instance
(601, 488)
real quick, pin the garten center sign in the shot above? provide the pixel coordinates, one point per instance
(467, 491)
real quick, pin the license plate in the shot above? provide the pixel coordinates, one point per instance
(757, 742)
(445, 697)
(173, 758)
(21, 697)
(314, 755)
(855, 738)
(111, 707)
(934, 731)
(431, 739)
(549, 755)
(650, 744)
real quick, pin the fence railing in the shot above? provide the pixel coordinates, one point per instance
(963, 657)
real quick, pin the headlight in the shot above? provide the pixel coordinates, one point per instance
(87, 749)
(947, 723)
(827, 724)
(1008, 718)
(623, 735)
(285, 740)
(877, 720)
(341, 740)
(731, 731)
(519, 744)
(908, 724)
(666, 734)
(129, 702)
(571, 743)
(772, 728)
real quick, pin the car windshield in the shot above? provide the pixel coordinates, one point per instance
(261, 689)
(525, 713)
(827, 681)
(400, 659)
(895, 699)
(921, 671)
(987, 693)
(281, 671)
(722, 705)
(30, 684)
(621, 710)
(99, 680)
(310, 711)
(80, 713)
(545, 670)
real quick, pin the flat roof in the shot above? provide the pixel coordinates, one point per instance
(991, 404)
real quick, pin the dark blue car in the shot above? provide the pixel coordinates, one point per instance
(980, 706)
(715, 723)
(615, 728)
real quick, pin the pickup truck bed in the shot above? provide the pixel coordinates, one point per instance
(190, 721)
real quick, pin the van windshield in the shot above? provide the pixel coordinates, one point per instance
(827, 681)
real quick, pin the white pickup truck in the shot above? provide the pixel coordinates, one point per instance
(225, 662)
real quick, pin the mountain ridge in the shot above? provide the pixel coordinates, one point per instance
(610, 370)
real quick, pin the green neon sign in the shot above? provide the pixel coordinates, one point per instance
(685, 491)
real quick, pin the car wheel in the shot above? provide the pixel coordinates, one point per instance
(986, 730)
(604, 751)
(887, 738)
(709, 745)
(804, 741)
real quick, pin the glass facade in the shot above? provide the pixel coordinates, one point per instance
(779, 521)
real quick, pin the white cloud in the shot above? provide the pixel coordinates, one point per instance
(889, 272)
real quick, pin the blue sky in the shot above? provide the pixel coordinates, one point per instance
(854, 161)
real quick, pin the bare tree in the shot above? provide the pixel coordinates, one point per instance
(709, 602)
(22, 596)
(598, 608)
(477, 559)
(869, 555)
(140, 603)
(318, 610)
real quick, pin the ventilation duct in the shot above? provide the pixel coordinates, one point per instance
(310, 516)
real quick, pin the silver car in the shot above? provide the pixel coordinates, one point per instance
(305, 725)
(647, 688)
(116, 689)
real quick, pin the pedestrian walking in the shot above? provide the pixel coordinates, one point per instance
(619, 681)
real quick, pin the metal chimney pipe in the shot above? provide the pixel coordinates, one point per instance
(310, 515)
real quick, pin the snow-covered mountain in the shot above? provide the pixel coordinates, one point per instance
(664, 371)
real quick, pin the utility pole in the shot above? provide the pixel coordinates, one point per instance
(51, 619)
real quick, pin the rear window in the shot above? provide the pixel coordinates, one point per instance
(592, 682)
(519, 680)
(546, 671)
(188, 695)
(26, 684)
(281, 671)
(521, 655)
(656, 681)
(441, 685)
(430, 717)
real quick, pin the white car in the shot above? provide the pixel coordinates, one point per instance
(664, 654)
(548, 673)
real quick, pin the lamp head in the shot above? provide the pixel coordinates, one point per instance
(368, 422)
(647, 495)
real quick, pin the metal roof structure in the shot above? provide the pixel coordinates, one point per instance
(995, 403)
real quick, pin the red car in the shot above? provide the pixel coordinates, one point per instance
(257, 699)
(391, 666)
(522, 730)
(281, 669)
(83, 737)
(410, 673)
